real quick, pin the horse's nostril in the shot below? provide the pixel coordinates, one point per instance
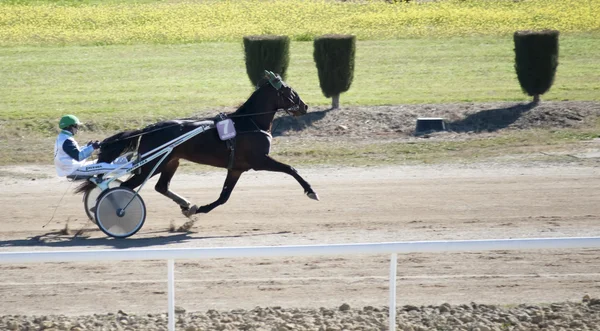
(305, 107)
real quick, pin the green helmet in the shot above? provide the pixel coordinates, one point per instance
(68, 120)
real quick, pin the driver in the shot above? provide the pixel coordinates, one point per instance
(70, 159)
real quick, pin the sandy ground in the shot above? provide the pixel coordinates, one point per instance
(357, 205)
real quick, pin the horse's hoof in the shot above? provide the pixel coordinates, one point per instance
(313, 196)
(190, 211)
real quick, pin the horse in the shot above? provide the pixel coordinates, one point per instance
(248, 150)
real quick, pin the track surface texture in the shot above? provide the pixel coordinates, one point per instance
(508, 198)
(358, 205)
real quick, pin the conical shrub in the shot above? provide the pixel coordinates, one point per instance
(334, 57)
(266, 52)
(536, 59)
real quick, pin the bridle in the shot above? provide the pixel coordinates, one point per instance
(279, 85)
(295, 107)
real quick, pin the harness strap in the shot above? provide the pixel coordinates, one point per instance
(137, 157)
(266, 133)
(230, 142)
(231, 147)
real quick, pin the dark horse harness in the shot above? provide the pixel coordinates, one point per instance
(229, 142)
(222, 117)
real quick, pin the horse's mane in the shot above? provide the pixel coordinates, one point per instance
(247, 106)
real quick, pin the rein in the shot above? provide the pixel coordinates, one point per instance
(200, 120)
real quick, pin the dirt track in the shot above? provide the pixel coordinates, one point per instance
(357, 205)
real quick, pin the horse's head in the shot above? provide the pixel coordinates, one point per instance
(284, 95)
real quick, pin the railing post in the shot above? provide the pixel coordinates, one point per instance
(171, 292)
(392, 313)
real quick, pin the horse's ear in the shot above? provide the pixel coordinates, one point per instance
(274, 79)
(269, 75)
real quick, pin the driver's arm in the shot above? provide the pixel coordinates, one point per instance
(72, 149)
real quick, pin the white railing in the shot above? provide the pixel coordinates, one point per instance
(393, 248)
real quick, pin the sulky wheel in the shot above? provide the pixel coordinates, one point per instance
(120, 212)
(90, 198)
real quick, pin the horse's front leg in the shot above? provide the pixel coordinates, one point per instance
(230, 181)
(269, 164)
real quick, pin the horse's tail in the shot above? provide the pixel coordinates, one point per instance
(84, 187)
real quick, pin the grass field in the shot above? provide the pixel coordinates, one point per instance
(515, 144)
(120, 64)
(527, 145)
(111, 86)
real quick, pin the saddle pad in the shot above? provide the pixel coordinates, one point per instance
(226, 129)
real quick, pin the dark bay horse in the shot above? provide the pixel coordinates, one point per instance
(251, 146)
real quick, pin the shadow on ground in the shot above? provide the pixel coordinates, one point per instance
(284, 124)
(487, 120)
(491, 119)
(59, 239)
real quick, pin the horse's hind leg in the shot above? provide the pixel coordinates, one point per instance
(162, 186)
(269, 164)
(230, 181)
(140, 175)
